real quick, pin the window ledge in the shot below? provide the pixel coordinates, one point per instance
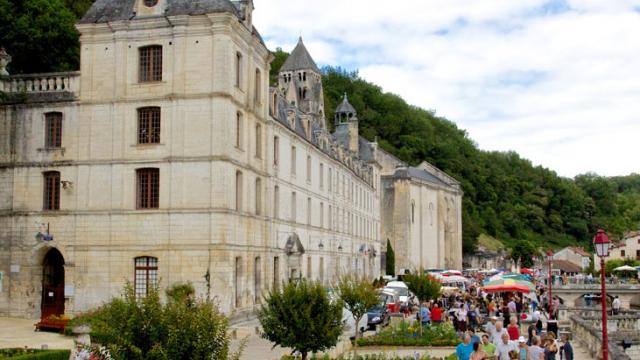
(50, 150)
(147, 146)
(149, 83)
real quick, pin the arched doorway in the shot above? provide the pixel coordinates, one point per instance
(52, 284)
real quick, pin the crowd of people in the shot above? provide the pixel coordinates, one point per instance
(501, 326)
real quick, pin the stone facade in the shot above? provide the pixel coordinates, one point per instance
(168, 158)
(628, 248)
(574, 255)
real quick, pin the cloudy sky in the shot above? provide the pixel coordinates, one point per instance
(558, 81)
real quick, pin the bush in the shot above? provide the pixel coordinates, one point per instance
(301, 317)
(34, 354)
(146, 329)
(406, 335)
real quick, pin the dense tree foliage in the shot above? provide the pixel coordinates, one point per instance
(147, 329)
(425, 287)
(39, 35)
(301, 317)
(505, 196)
(358, 296)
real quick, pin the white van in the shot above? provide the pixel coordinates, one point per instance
(402, 290)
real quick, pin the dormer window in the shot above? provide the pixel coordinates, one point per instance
(150, 3)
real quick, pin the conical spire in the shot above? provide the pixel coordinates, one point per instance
(346, 107)
(299, 59)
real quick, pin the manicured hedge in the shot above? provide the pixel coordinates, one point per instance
(411, 335)
(34, 354)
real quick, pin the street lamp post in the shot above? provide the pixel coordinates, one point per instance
(550, 258)
(601, 242)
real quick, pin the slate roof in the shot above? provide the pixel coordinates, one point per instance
(346, 107)
(421, 174)
(112, 10)
(300, 59)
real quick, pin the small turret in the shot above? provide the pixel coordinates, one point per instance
(346, 120)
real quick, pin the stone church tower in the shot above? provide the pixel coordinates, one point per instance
(301, 81)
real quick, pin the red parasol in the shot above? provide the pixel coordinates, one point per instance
(507, 288)
(526, 271)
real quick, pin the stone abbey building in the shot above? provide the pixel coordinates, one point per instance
(168, 158)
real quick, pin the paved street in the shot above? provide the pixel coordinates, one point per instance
(19, 333)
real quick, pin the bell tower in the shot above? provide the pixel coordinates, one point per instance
(301, 81)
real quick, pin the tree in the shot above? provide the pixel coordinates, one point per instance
(40, 35)
(523, 252)
(390, 263)
(301, 317)
(146, 329)
(358, 296)
(424, 287)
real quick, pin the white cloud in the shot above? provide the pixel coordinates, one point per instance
(557, 81)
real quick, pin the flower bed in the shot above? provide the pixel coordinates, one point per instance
(34, 354)
(53, 322)
(410, 335)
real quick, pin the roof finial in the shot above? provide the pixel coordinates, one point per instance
(345, 96)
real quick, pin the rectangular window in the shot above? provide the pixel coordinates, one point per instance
(258, 197)
(259, 141)
(293, 160)
(330, 179)
(257, 92)
(330, 217)
(308, 168)
(238, 69)
(51, 191)
(637, 254)
(257, 280)
(321, 176)
(309, 274)
(276, 272)
(308, 211)
(239, 188)
(239, 130)
(293, 206)
(321, 270)
(145, 276)
(622, 253)
(150, 64)
(321, 215)
(53, 130)
(148, 189)
(238, 282)
(276, 151)
(276, 202)
(149, 125)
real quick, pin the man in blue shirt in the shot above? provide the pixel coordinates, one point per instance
(464, 349)
(425, 314)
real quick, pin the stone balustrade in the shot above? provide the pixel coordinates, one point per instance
(61, 82)
(590, 338)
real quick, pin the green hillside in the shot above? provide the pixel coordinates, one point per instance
(506, 197)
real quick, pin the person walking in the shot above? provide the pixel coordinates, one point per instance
(523, 349)
(535, 351)
(464, 349)
(513, 329)
(615, 305)
(566, 350)
(505, 347)
(487, 346)
(478, 353)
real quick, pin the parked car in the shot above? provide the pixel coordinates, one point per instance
(379, 315)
